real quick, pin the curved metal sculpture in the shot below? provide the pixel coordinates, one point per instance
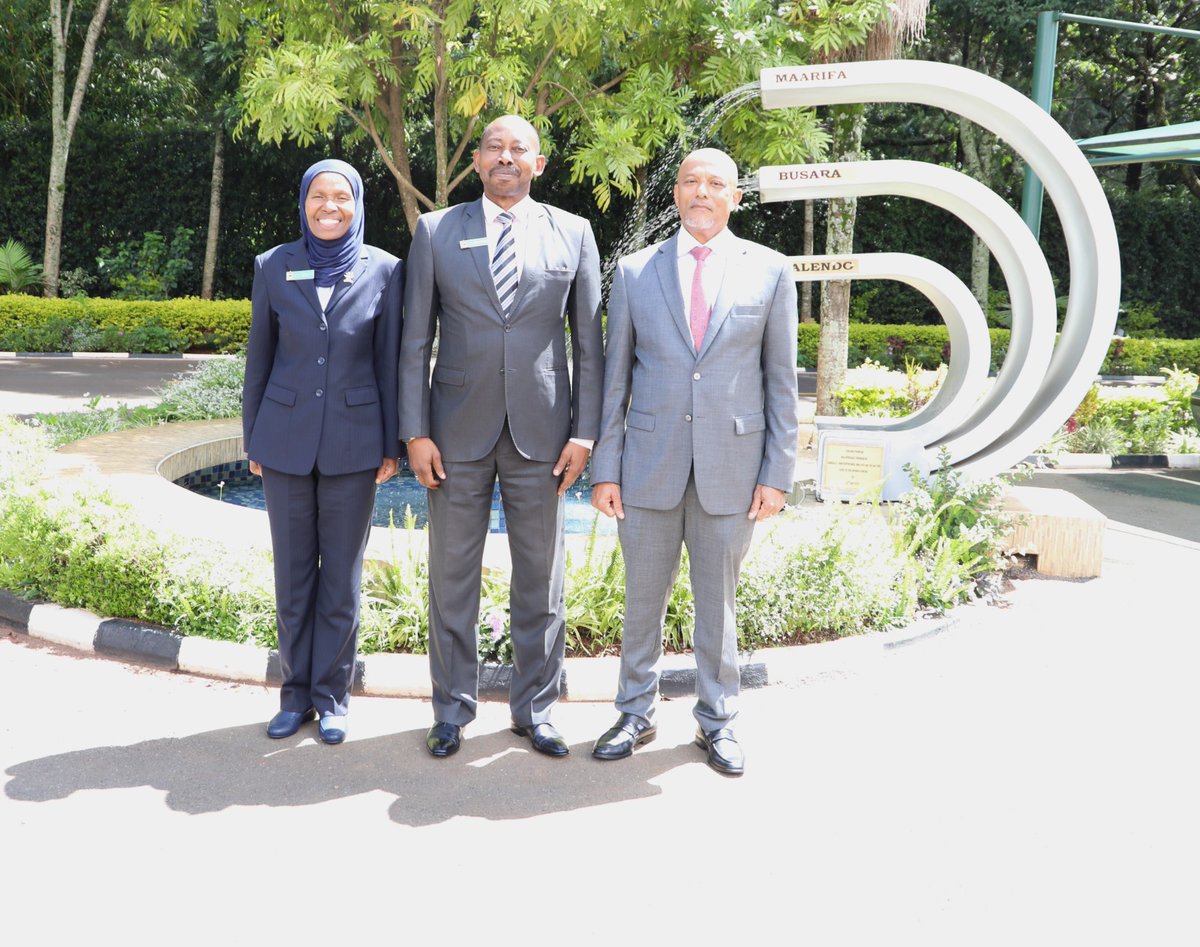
(1041, 382)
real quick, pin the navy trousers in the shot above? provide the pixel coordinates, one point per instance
(319, 530)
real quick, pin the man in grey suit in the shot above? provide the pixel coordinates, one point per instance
(497, 279)
(697, 442)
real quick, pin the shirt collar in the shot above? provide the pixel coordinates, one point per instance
(521, 210)
(718, 244)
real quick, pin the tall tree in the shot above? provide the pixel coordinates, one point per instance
(63, 120)
(419, 79)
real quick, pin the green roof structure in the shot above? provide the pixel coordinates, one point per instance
(1166, 143)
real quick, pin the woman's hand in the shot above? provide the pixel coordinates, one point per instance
(386, 470)
(256, 468)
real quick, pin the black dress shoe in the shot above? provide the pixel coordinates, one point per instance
(443, 739)
(619, 741)
(287, 722)
(544, 737)
(724, 754)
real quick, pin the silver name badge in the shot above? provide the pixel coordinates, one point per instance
(301, 274)
(473, 242)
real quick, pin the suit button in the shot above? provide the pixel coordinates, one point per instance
(321, 361)
(696, 376)
(320, 392)
(508, 328)
(687, 417)
(322, 327)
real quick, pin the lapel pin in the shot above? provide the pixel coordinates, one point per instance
(348, 277)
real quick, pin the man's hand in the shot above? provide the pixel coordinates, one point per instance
(426, 462)
(767, 502)
(606, 497)
(386, 470)
(256, 468)
(571, 461)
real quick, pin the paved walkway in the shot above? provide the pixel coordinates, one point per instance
(1023, 778)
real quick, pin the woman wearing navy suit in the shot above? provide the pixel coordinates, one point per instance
(320, 427)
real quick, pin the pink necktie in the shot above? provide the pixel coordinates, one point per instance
(700, 310)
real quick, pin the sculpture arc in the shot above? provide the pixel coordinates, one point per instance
(1071, 185)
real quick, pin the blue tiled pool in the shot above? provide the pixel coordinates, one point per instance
(233, 483)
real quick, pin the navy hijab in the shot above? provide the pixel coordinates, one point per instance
(331, 258)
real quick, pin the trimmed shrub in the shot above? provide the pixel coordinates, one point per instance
(34, 324)
(928, 346)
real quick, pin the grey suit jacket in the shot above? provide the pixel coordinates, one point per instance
(730, 410)
(488, 369)
(320, 390)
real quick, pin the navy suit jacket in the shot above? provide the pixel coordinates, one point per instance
(320, 390)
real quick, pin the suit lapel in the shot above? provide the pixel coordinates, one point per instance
(666, 262)
(474, 227)
(343, 286)
(297, 260)
(726, 295)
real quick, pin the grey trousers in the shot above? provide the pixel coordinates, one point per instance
(651, 543)
(459, 511)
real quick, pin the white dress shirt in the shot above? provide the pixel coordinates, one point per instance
(714, 267)
(521, 211)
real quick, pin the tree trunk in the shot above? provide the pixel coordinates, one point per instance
(833, 348)
(806, 287)
(62, 126)
(641, 209)
(978, 163)
(216, 185)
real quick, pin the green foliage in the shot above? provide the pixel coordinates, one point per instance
(952, 529)
(18, 272)
(845, 582)
(874, 391)
(1098, 436)
(214, 390)
(395, 597)
(1151, 356)
(33, 324)
(149, 270)
(595, 598)
(895, 346)
(83, 549)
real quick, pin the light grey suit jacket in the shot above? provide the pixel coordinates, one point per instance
(489, 369)
(730, 410)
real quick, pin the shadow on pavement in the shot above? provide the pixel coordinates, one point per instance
(494, 776)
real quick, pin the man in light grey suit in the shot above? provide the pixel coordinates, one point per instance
(497, 280)
(697, 442)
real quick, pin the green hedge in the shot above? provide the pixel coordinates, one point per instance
(929, 345)
(221, 325)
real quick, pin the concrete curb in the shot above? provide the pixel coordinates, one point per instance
(1116, 461)
(407, 675)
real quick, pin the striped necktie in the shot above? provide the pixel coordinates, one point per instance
(504, 264)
